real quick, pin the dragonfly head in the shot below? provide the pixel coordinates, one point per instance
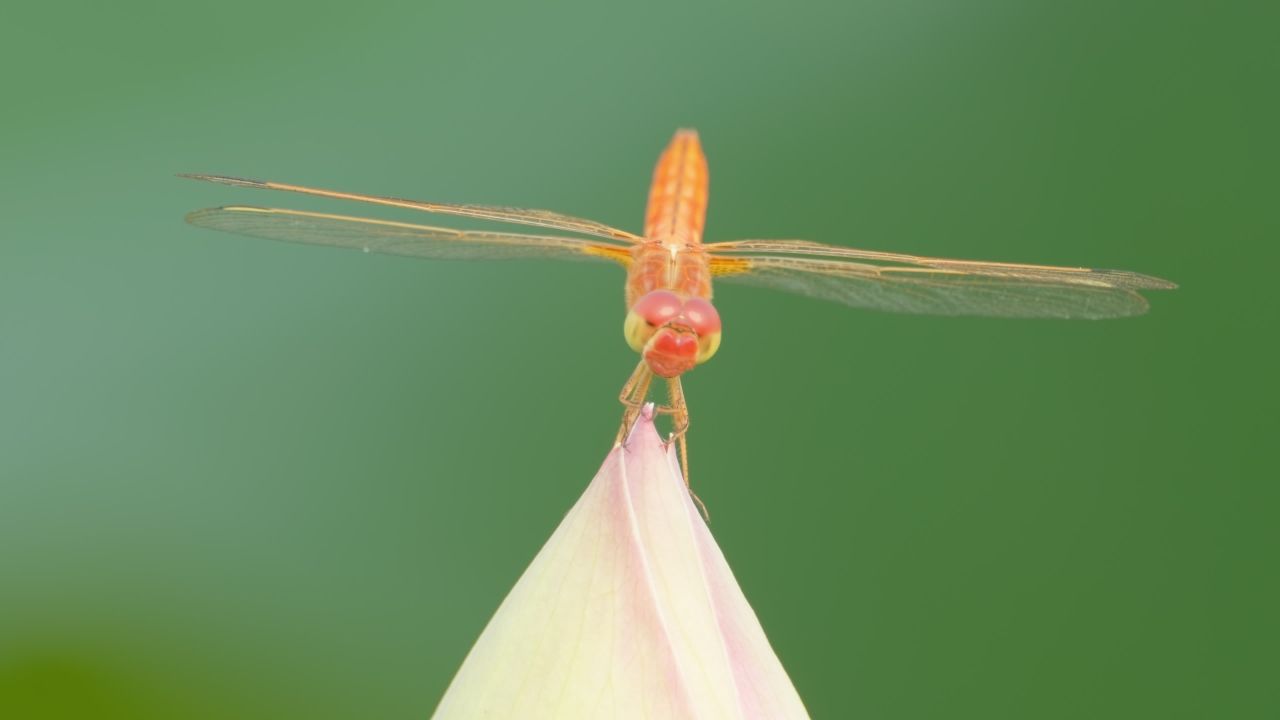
(673, 333)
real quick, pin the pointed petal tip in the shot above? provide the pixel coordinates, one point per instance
(644, 421)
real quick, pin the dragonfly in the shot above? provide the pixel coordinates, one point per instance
(671, 322)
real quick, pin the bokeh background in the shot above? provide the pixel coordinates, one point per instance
(241, 479)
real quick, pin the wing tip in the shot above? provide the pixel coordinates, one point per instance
(1141, 306)
(1138, 281)
(196, 217)
(224, 180)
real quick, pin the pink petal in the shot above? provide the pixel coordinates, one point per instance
(629, 610)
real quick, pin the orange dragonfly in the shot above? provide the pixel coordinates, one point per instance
(670, 321)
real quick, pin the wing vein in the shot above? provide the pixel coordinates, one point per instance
(934, 291)
(519, 216)
(399, 238)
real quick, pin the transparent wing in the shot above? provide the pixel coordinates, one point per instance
(519, 216)
(947, 287)
(396, 238)
(1045, 273)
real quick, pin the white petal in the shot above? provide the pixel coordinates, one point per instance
(628, 611)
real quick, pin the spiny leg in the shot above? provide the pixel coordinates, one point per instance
(679, 410)
(632, 397)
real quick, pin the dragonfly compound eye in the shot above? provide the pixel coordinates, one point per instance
(701, 316)
(658, 307)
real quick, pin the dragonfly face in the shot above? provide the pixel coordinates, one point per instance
(672, 332)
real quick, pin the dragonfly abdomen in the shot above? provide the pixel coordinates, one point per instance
(678, 196)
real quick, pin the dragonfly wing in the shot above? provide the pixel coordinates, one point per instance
(519, 216)
(397, 238)
(952, 290)
(1046, 273)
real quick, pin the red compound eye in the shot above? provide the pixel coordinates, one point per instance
(658, 307)
(702, 317)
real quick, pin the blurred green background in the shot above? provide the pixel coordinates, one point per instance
(241, 479)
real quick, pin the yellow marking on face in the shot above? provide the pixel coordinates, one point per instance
(637, 331)
(707, 346)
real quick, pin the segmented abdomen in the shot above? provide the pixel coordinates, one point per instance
(678, 196)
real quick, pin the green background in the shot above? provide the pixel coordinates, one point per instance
(242, 479)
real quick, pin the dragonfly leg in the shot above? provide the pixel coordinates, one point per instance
(632, 397)
(679, 410)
